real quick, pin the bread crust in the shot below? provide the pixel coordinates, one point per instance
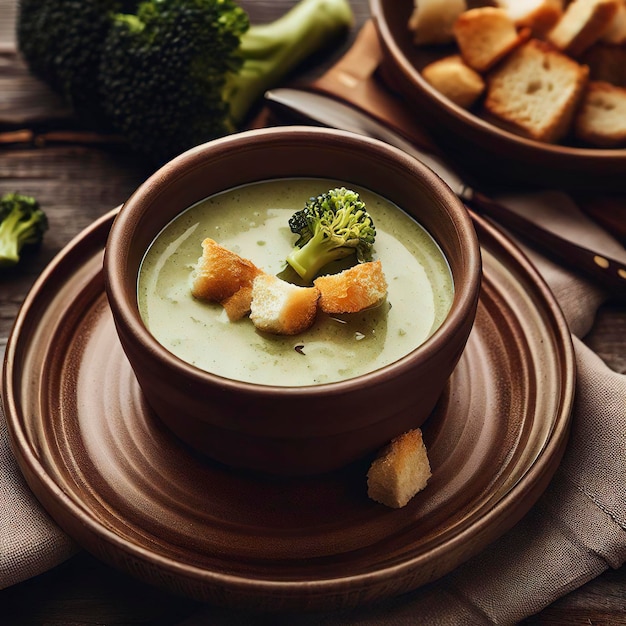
(238, 305)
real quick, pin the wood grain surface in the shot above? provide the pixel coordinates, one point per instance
(77, 176)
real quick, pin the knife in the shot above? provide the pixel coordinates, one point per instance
(323, 110)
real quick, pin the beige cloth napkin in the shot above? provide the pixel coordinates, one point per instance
(30, 542)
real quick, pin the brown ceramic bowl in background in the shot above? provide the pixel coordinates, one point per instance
(291, 430)
(488, 153)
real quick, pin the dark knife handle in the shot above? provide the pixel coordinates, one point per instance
(604, 270)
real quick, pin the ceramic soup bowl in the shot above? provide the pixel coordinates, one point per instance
(271, 417)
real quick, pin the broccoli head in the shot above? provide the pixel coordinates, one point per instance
(61, 41)
(164, 70)
(168, 74)
(331, 226)
(22, 222)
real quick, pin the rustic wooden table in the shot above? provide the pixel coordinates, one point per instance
(78, 178)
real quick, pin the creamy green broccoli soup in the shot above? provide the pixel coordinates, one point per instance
(252, 221)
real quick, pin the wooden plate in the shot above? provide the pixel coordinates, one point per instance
(118, 482)
(482, 149)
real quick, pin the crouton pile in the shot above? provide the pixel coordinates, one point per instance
(548, 70)
(275, 305)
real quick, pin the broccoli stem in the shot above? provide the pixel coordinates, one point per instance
(319, 251)
(271, 51)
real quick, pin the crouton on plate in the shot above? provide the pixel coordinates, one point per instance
(401, 470)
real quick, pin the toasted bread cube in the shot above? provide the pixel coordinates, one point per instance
(355, 289)
(535, 92)
(401, 470)
(220, 273)
(583, 23)
(485, 36)
(537, 15)
(601, 120)
(280, 307)
(431, 20)
(456, 80)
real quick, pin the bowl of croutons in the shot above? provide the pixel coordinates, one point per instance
(292, 299)
(516, 91)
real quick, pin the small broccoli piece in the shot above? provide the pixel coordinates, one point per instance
(61, 41)
(181, 72)
(331, 226)
(22, 222)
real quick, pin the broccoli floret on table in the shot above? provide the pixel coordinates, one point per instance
(22, 222)
(331, 226)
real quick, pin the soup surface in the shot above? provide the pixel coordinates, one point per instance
(252, 220)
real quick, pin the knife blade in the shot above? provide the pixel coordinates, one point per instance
(323, 110)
